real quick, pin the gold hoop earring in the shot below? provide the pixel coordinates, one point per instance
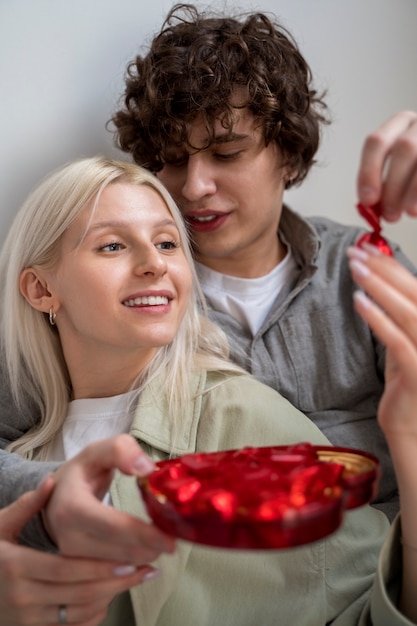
(52, 316)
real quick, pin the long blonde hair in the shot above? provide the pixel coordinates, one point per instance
(31, 346)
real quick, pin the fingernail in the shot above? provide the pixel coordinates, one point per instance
(124, 570)
(359, 268)
(368, 195)
(362, 299)
(151, 574)
(47, 478)
(353, 252)
(373, 250)
(389, 211)
(143, 465)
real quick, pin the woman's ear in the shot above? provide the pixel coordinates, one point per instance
(34, 289)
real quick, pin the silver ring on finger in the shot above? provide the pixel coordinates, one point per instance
(62, 614)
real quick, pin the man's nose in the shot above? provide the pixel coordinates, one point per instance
(199, 178)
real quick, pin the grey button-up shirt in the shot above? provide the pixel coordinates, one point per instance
(315, 349)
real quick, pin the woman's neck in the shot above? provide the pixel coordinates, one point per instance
(104, 377)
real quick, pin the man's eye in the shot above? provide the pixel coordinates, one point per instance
(227, 157)
(114, 246)
(178, 161)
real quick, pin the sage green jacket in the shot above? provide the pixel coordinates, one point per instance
(327, 582)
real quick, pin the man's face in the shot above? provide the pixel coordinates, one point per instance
(230, 195)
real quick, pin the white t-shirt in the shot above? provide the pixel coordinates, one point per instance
(247, 300)
(90, 419)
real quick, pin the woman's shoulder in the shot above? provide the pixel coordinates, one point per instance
(235, 384)
(232, 385)
(243, 411)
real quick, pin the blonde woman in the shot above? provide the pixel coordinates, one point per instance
(101, 333)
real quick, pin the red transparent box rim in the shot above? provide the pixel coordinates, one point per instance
(311, 522)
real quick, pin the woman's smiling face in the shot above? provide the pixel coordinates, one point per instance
(122, 282)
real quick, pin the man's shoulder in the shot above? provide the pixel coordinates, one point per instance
(326, 227)
(317, 235)
(333, 233)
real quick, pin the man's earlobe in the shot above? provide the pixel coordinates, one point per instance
(290, 178)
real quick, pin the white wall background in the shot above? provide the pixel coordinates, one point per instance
(62, 64)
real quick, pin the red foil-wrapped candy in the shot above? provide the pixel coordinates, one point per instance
(259, 498)
(372, 214)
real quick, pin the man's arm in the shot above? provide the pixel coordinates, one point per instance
(14, 421)
(18, 476)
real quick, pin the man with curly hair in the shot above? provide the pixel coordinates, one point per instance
(224, 111)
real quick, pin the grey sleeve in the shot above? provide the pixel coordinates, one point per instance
(16, 474)
(14, 422)
(16, 477)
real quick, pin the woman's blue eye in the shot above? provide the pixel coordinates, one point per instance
(112, 247)
(167, 245)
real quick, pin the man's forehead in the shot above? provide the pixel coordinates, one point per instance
(242, 127)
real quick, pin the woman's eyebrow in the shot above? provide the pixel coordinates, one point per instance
(125, 224)
(118, 224)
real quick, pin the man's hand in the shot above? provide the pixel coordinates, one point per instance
(388, 167)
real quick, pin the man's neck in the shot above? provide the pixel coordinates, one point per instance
(246, 265)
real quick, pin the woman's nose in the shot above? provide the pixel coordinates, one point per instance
(199, 178)
(150, 262)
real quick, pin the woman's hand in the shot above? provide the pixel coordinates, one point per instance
(37, 587)
(390, 309)
(388, 167)
(81, 525)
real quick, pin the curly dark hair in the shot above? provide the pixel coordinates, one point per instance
(193, 67)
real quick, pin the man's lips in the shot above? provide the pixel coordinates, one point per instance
(206, 221)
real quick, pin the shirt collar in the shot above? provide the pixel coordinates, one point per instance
(301, 235)
(153, 425)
